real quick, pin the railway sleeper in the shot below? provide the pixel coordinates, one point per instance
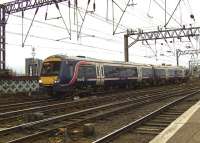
(172, 114)
(164, 119)
(161, 121)
(184, 106)
(150, 127)
(158, 124)
(192, 100)
(59, 120)
(168, 116)
(178, 112)
(75, 119)
(148, 130)
(10, 119)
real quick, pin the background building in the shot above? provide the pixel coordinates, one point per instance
(33, 66)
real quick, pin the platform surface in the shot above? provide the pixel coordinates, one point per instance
(185, 129)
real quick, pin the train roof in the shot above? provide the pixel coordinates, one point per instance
(79, 58)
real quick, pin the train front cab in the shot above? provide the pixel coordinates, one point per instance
(55, 75)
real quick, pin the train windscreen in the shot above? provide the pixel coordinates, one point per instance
(50, 68)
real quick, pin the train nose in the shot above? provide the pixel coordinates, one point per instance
(48, 81)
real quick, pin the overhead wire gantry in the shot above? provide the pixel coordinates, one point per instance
(12, 7)
(185, 52)
(164, 34)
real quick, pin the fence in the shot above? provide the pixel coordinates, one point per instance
(20, 84)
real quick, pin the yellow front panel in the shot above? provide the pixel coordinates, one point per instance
(52, 59)
(48, 80)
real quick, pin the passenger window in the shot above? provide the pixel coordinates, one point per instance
(81, 73)
(90, 71)
(87, 71)
(71, 70)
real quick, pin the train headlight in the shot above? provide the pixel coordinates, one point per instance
(57, 81)
(40, 81)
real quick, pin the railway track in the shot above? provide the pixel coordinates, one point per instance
(39, 128)
(63, 107)
(22, 105)
(148, 126)
(6, 107)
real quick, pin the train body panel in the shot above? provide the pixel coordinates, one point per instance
(64, 74)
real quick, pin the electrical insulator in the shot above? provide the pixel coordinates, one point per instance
(94, 6)
(46, 16)
(22, 14)
(69, 3)
(76, 3)
(192, 16)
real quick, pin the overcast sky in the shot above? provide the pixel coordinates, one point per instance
(50, 37)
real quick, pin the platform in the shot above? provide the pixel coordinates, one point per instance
(185, 129)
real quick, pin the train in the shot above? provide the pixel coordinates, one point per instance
(61, 75)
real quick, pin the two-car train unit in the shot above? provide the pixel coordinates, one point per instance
(62, 74)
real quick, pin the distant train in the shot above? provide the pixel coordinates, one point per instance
(62, 74)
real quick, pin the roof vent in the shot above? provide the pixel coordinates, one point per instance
(81, 56)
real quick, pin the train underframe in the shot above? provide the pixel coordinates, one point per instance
(83, 88)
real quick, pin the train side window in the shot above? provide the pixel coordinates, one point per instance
(90, 71)
(160, 72)
(171, 72)
(108, 70)
(133, 72)
(179, 72)
(81, 73)
(116, 71)
(71, 70)
(128, 72)
(147, 72)
(123, 72)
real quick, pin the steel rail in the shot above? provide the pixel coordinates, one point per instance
(38, 101)
(142, 102)
(28, 103)
(63, 104)
(59, 107)
(136, 123)
(23, 104)
(58, 118)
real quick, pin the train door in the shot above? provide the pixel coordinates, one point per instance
(139, 70)
(102, 74)
(167, 73)
(98, 73)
